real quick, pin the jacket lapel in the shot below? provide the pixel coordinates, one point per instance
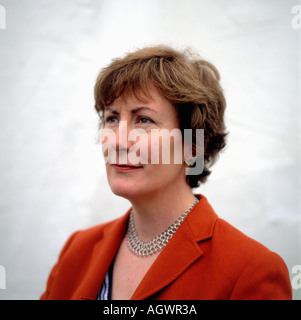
(182, 250)
(102, 256)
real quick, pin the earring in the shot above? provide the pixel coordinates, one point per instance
(189, 160)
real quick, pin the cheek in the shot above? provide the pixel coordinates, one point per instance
(153, 151)
(165, 147)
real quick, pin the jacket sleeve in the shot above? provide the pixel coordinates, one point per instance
(53, 272)
(265, 277)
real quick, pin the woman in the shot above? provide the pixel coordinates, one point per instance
(170, 244)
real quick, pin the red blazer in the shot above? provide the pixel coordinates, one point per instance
(206, 258)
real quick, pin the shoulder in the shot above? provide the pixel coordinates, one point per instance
(86, 251)
(225, 238)
(237, 246)
(260, 272)
(89, 236)
(250, 269)
(239, 242)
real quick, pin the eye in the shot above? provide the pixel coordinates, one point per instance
(144, 120)
(111, 119)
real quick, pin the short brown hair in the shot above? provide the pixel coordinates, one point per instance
(190, 83)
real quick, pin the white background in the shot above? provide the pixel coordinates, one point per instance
(52, 178)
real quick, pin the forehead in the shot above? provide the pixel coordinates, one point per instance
(152, 99)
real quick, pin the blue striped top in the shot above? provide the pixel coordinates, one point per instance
(105, 290)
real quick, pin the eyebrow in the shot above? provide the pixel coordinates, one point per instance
(132, 111)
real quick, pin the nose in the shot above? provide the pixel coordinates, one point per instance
(116, 143)
(122, 142)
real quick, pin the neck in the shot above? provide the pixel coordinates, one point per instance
(156, 212)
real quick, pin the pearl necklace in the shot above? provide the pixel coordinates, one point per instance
(145, 249)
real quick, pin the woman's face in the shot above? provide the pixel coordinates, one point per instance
(140, 167)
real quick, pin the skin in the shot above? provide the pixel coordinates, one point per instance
(158, 193)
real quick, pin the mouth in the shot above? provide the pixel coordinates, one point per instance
(125, 168)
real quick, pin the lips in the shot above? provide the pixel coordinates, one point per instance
(126, 168)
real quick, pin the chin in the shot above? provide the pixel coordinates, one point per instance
(126, 191)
